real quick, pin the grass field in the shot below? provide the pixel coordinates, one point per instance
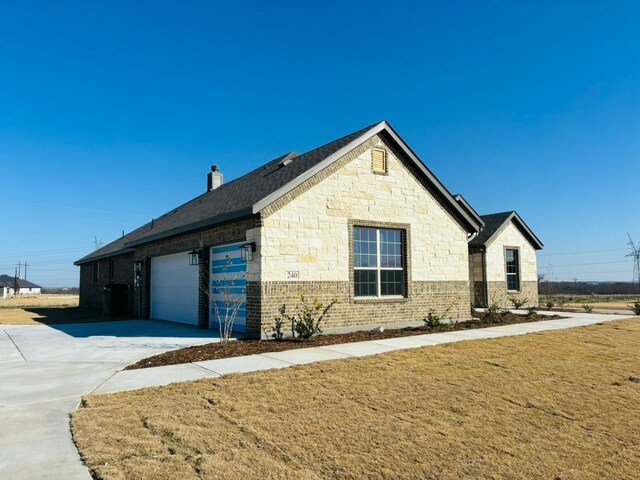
(35, 310)
(556, 405)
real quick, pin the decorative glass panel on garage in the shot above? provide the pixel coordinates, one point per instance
(378, 262)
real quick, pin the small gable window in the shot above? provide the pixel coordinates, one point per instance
(379, 161)
(513, 269)
(96, 272)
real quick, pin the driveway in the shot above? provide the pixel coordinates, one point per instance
(44, 371)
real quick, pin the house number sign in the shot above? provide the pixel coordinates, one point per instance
(293, 275)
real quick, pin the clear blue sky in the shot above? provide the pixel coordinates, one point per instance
(112, 112)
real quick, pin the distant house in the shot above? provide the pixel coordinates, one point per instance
(361, 219)
(10, 286)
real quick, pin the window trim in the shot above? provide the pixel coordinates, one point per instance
(518, 273)
(96, 272)
(405, 231)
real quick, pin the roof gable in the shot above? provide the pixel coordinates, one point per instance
(495, 223)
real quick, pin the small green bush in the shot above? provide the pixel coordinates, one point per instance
(518, 302)
(306, 322)
(531, 311)
(635, 306)
(276, 331)
(492, 313)
(588, 308)
(432, 320)
(550, 304)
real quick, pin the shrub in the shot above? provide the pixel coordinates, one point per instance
(588, 308)
(517, 302)
(276, 331)
(491, 314)
(635, 306)
(306, 322)
(531, 311)
(432, 320)
(549, 304)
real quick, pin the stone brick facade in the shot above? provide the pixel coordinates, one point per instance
(447, 299)
(497, 293)
(117, 269)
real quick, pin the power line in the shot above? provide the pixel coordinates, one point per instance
(579, 253)
(594, 263)
(46, 252)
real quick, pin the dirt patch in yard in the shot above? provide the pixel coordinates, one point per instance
(555, 405)
(212, 351)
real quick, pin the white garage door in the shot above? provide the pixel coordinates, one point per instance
(174, 289)
(228, 286)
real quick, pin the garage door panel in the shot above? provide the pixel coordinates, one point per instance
(174, 289)
(228, 284)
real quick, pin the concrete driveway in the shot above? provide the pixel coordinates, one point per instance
(44, 370)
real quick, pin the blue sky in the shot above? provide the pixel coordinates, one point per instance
(112, 112)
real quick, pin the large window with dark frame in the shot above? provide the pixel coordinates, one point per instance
(513, 269)
(378, 262)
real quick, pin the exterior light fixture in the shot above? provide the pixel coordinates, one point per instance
(193, 257)
(137, 267)
(246, 251)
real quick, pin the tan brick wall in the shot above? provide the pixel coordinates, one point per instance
(497, 293)
(447, 299)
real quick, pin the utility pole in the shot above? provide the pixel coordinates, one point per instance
(635, 254)
(25, 269)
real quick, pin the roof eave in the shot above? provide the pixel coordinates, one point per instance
(245, 212)
(95, 258)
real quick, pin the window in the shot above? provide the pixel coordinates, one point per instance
(379, 161)
(378, 262)
(96, 272)
(513, 269)
(111, 270)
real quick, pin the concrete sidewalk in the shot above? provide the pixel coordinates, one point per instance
(156, 376)
(45, 370)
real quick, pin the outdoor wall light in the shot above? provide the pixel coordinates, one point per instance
(246, 251)
(193, 257)
(137, 267)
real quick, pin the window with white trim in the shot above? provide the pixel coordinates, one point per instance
(378, 262)
(513, 269)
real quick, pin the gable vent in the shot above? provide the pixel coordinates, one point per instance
(379, 161)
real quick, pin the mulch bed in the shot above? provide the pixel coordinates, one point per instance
(237, 348)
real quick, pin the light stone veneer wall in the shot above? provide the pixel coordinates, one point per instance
(309, 234)
(496, 269)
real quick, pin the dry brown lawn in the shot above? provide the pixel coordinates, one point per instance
(47, 309)
(553, 405)
(615, 305)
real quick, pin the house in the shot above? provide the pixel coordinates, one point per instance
(361, 219)
(502, 261)
(11, 285)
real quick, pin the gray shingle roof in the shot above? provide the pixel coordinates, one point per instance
(250, 193)
(9, 281)
(233, 199)
(494, 222)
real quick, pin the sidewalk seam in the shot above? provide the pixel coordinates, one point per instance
(14, 344)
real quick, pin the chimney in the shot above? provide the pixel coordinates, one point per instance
(214, 178)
